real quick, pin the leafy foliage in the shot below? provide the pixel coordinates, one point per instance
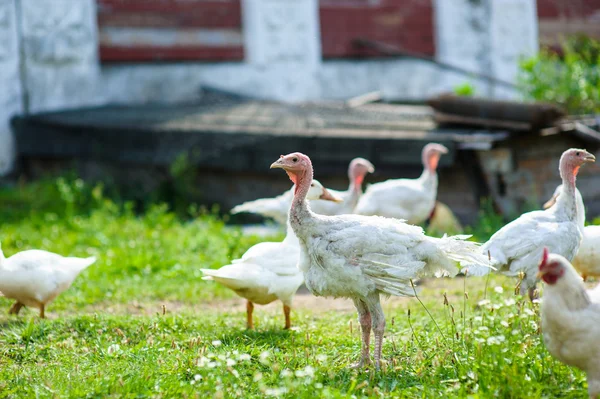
(571, 80)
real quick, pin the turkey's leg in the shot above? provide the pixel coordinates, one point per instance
(16, 308)
(378, 322)
(286, 312)
(249, 310)
(364, 318)
(42, 313)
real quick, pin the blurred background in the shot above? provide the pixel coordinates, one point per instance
(191, 100)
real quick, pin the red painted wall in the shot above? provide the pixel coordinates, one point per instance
(565, 17)
(151, 30)
(211, 30)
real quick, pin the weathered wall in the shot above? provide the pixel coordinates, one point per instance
(60, 45)
(60, 68)
(10, 82)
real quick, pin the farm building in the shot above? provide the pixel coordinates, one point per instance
(501, 150)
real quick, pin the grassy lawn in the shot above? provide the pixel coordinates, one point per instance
(141, 323)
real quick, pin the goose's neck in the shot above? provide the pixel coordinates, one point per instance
(300, 212)
(2, 259)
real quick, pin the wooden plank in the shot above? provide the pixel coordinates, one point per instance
(407, 24)
(170, 30)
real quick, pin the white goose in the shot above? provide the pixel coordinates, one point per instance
(268, 270)
(412, 200)
(358, 169)
(361, 257)
(35, 278)
(587, 260)
(517, 247)
(276, 208)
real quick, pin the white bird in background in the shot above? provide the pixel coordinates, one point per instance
(517, 247)
(408, 199)
(357, 170)
(571, 319)
(35, 278)
(268, 270)
(361, 257)
(276, 208)
(587, 260)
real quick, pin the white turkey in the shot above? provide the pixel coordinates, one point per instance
(276, 208)
(517, 247)
(267, 271)
(408, 199)
(361, 257)
(587, 260)
(571, 319)
(35, 278)
(358, 169)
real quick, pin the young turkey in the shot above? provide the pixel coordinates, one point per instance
(517, 247)
(361, 257)
(268, 270)
(587, 260)
(276, 208)
(412, 200)
(358, 169)
(571, 318)
(35, 278)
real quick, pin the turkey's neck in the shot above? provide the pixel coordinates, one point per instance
(300, 212)
(355, 190)
(566, 200)
(429, 179)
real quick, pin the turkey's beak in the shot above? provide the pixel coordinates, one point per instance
(550, 202)
(370, 168)
(326, 195)
(277, 164)
(589, 158)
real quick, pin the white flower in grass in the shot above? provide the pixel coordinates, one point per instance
(257, 377)
(483, 302)
(197, 377)
(499, 290)
(503, 323)
(231, 362)
(322, 358)
(216, 342)
(264, 357)
(114, 348)
(244, 357)
(510, 302)
(286, 373)
(496, 340)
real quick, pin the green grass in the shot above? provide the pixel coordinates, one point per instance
(107, 336)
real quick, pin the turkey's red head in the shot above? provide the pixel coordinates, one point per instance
(572, 159)
(295, 164)
(431, 155)
(358, 169)
(551, 268)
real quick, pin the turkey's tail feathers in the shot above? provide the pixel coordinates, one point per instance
(78, 264)
(229, 280)
(467, 254)
(391, 279)
(262, 206)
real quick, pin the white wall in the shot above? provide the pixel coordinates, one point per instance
(10, 83)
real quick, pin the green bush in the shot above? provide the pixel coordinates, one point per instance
(571, 80)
